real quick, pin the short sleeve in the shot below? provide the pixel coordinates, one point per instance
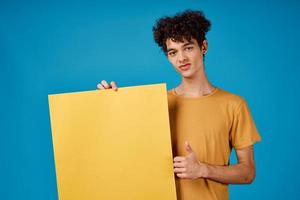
(243, 131)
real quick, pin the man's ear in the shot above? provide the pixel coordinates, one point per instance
(204, 46)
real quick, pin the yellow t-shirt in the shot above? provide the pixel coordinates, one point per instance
(212, 124)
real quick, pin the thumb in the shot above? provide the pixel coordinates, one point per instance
(188, 147)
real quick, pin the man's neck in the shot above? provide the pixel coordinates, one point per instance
(195, 86)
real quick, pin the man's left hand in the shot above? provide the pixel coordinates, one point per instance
(189, 166)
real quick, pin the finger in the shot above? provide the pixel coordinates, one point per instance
(179, 159)
(100, 86)
(105, 84)
(179, 164)
(188, 147)
(114, 85)
(179, 170)
(181, 175)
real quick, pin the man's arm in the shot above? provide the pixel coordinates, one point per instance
(241, 173)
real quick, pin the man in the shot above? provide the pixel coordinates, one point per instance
(206, 121)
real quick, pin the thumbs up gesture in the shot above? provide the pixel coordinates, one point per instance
(189, 166)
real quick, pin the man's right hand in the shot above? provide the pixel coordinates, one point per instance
(103, 85)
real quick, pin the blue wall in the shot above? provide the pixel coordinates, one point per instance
(60, 47)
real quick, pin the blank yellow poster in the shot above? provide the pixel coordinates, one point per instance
(113, 145)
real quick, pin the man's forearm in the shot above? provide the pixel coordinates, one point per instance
(242, 173)
(233, 174)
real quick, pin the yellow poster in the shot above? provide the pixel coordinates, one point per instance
(113, 145)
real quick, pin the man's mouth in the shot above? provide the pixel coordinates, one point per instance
(185, 67)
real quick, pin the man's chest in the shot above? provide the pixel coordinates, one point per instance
(201, 117)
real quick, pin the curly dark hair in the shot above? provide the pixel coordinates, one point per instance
(184, 25)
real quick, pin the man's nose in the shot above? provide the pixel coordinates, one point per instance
(181, 57)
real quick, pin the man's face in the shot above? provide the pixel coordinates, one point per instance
(186, 57)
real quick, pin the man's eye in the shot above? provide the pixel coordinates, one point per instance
(172, 53)
(189, 48)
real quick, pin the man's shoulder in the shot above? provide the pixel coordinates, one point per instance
(229, 97)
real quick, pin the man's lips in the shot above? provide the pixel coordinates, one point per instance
(185, 67)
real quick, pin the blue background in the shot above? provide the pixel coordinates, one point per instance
(65, 46)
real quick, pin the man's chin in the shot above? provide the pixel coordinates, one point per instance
(186, 75)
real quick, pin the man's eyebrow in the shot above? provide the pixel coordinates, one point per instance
(171, 50)
(186, 44)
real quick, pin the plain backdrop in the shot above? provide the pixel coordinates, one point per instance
(49, 47)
